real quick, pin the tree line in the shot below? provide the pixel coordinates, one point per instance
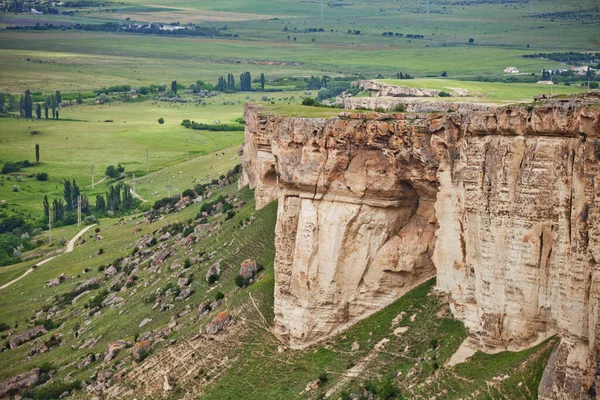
(63, 211)
(245, 83)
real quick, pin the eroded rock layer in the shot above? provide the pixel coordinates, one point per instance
(504, 203)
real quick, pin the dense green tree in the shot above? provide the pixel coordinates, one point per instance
(2, 102)
(37, 152)
(245, 82)
(46, 209)
(38, 110)
(12, 103)
(53, 105)
(79, 99)
(174, 87)
(262, 78)
(100, 203)
(111, 172)
(58, 97)
(58, 209)
(22, 106)
(68, 194)
(76, 194)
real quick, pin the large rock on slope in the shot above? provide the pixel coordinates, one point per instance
(18, 383)
(30, 334)
(502, 203)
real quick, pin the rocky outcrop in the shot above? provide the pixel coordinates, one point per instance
(30, 334)
(503, 203)
(378, 89)
(18, 383)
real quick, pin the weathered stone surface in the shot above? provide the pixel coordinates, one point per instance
(214, 269)
(140, 350)
(503, 202)
(218, 323)
(17, 383)
(249, 268)
(30, 334)
(379, 89)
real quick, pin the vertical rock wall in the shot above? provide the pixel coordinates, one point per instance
(503, 203)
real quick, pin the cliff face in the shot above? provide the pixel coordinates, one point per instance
(502, 203)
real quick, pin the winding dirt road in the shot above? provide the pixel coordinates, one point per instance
(70, 247)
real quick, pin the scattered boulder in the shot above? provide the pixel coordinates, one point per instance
(169, 382)
(183, 203)
(204, 307)
(17, 383)
(141, 350)
(99, 237)
(113, 348)
(219, 322)
(89, 284)
(90, 358)
(56, 281)
(185, 293)
(163, 255)
(165, 237)
(182, 282)
(26, 336)
(113, 300)
(79, 296)
(146, 321)
(110, 271)
(214, 269)
(249, 268)
(90, 342)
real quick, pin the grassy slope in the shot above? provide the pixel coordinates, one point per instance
(257, 369)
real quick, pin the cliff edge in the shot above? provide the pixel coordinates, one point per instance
(502, 203)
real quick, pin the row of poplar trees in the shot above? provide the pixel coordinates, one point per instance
(118, 198)
(229, 85)
(27, 107)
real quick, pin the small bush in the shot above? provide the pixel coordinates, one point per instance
(433, 343)
(187, 263)
(42, 176)
(90, 219)
(189, 193)
(399, 107)
(101, 251)
(444, 94)
(161, 120)
(4, 327)
(379, 109)
(213, 278)
(309, 102)
(15, 188)
(323, 378)
(219, 296)
(240, 281)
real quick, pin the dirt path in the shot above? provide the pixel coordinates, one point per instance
(100, 181)
(69, 249)
(137, 196)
